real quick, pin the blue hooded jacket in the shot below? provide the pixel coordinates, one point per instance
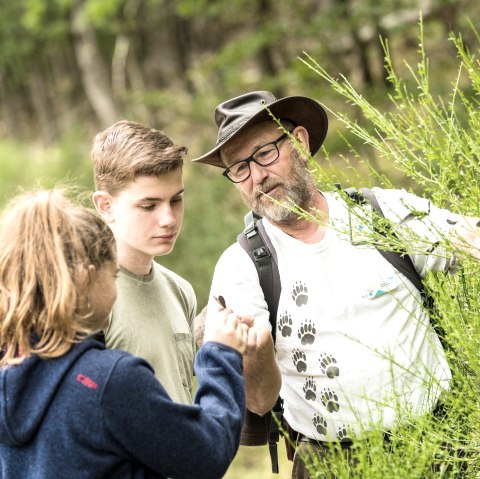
(98, 413)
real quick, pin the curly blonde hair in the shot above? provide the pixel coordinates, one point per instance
(45, 240)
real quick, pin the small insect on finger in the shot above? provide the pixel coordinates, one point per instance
(221, 301)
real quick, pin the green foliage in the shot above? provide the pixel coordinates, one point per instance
(432, 142)
(45, 19)
(253, 462)
(435, 143)
(11, 33)
(106, 15)
(33, 166)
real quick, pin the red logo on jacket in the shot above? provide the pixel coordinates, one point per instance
(86, 381)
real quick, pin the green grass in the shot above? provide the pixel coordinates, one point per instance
(254, 463)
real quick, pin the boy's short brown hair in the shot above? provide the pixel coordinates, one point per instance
(127, 149)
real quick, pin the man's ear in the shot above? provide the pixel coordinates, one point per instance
(301, 135)
(103, 202)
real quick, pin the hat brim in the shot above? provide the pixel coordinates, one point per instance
(302, 111)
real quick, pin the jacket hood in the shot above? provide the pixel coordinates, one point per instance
(27, 389)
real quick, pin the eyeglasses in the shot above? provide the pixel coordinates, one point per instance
(264, 156)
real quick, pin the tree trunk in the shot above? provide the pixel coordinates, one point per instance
(8, 108)
(67, 97)
(94, 74)
(182, 47)
(39, 97)
(119, 66)
(362, 50)
(265, 55)
(122, 49)
(383, 34)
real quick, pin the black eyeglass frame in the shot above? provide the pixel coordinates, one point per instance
(252, 158)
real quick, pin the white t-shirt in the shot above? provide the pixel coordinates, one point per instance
(354, 344)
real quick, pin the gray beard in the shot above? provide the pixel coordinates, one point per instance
(298, 189)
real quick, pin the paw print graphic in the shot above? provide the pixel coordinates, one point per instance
(328, 365)
(330, 400)
(285, 324)
(310, 388)
(306, 332)
(342, 434)
(300, 293)
(320, 424)
(299, 360)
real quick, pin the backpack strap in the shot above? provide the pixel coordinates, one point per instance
(272, 422)
(401, 261)
(257, 244)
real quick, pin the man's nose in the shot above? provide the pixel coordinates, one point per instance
(257, 172)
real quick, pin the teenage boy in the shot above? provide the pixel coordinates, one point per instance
(140, 193)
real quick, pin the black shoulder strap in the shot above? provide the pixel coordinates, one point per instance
(401, 261)
(257, 244)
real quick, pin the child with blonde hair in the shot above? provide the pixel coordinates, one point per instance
(71, 408)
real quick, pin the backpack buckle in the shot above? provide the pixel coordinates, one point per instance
(261, 252)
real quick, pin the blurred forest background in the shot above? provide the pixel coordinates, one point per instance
(69, 68)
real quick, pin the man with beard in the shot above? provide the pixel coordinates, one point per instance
(354, 348)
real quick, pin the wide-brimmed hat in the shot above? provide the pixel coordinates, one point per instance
(233, 116)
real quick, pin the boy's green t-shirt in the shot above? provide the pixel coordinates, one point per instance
(153, 318)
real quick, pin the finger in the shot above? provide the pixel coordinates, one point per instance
(263, 337)
(245, 340)
(251, 341)
(232, 321)
(222, 317)
(243, 328)
(248, 320)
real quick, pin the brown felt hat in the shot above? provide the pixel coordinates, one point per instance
(233, 116)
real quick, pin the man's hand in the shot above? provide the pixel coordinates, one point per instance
(465, 236)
